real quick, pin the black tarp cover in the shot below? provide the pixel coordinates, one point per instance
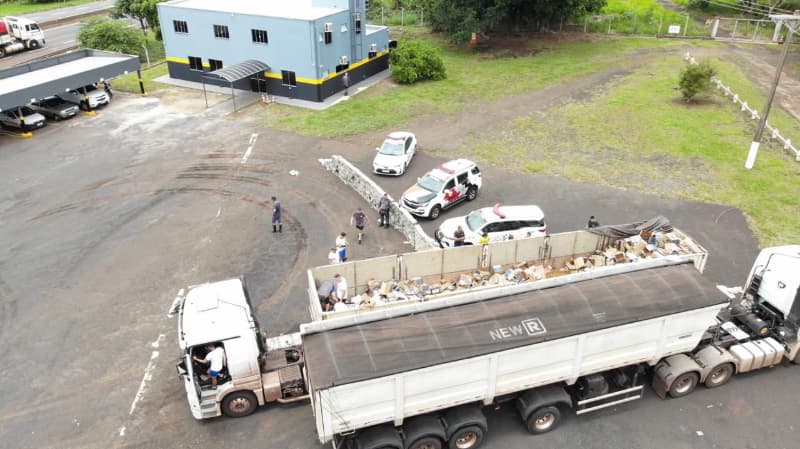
(382, 348)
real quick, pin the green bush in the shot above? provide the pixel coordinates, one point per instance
(415, 60)
(111, 35)
(696, 79)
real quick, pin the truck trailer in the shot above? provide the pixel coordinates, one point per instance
(420, 380)
(18, 34)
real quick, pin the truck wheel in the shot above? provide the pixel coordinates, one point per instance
(2, 52)
(426, 443)
(33, 45)
(380, 437)
(468, 437)
(720, 375)
(435, 212)
(683, 385)
(543, 420)
(239, 403)
(472, 193)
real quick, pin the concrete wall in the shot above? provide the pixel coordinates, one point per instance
(399, 218)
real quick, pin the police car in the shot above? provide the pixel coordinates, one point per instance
(442, 188)
(499, 222)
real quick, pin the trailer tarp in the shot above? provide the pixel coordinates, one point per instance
(387, 347)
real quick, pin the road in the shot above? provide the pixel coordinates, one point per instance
(70, 12)
(101, 227)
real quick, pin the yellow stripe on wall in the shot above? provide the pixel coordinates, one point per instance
(299, 80)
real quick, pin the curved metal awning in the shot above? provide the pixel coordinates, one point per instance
(239, 71)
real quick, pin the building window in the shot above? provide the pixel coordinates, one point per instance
(288, 78)
(195, 63)
(328, 32)
(180, 26)
(260, 36)
(214, 64)
(221, 31)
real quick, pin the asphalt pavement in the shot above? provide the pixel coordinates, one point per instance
(45, 18)
(105, 218)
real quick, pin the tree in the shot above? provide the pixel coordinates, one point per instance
(111, 35)
(145, 11)
(461, 18)
(415, 60)
(696, 79)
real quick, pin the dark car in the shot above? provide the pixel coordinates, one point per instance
(54, 108)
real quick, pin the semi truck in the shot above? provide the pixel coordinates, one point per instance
(18, 34)
(420, 380)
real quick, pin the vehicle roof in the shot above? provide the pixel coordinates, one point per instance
(399, 135)
(448, 169)
(392, 346)
(213, 312)
(529, 212)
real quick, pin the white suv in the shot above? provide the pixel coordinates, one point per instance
(76, 96)
(442, 188)
(499, 222)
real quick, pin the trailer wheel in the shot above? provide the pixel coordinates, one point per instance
(383, 436)
(429, 442)
(469, 437)
(239, 404)
(543, 420)
(720, 375)
(683, 385)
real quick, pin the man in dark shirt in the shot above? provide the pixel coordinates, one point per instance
(458, 236)
(359, 218)
(276, 215)
(327, 293)
(593, 223)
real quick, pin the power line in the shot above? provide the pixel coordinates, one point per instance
(750, 10)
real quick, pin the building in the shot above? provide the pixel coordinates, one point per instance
(291, 48)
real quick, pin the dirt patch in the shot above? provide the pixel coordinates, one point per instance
(188, 101)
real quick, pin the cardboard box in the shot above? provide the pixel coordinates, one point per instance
(555, 273)
(598, 261)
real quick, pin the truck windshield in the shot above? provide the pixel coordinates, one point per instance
(475, 220)
(431, 183)
(392, 147)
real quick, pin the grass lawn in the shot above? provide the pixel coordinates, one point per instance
(649, 140)
(130, 83)
(471, 76)
(15, 8)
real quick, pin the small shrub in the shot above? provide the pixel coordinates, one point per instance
(415, 60)
(696, 79)
(111, 35)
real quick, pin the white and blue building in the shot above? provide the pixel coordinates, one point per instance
(291, 48)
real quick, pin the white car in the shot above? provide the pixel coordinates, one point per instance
(442, 188)
(96, 97)
(499, 222)
(395, 154)
(12, 118)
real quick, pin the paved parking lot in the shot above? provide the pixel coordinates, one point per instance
(105, 218)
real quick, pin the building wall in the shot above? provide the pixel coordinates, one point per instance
(294, 45)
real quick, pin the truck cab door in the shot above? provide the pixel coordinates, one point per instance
(184, 369)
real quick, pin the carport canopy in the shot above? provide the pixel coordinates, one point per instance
(50, 76)
(239, 71)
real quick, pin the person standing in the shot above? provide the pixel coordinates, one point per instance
(346, 82)
(360, 219)
(458, 236)
(484, 238)
(276, 215)
(592, 223)
(333, 257)
(384, 206)
(341, 246)
(215, 359)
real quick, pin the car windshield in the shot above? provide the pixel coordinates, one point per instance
(28, 111)
(430, 182)
(475, 220)
(392, 147)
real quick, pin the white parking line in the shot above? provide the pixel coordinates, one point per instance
(147, 377)
(176, 302)
(68, 42)
(219, 211)
(253, 138)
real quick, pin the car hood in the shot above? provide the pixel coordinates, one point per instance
(35, 117)
(418, 194)
(385, 160)
(449, 226)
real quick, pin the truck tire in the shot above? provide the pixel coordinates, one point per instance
(429, 442)
(684, 384)
(435, 212)
(468, 437)
(239, 404)
(543, 420)
(380, 437)
(472, 193)
(720, 375)
(2, 52)
(33, 45)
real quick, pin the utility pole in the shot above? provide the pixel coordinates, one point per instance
(791, 23)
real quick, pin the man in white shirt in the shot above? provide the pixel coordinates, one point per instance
(341, 289)
(341, 245)
(333, 257)
(215, 359)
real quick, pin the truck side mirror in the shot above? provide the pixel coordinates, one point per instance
(181, 368)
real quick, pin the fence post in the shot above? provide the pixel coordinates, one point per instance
(776, 35)
(715, 28)
(422, 17)
(686, 27)
(660, 22)
(735, 24)
(402, 17)
(634, 24)
(382, 16)
(756, 30)
(586, 25)
(609, 25)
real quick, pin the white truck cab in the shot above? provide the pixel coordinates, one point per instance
(220, 312)
(19, 33)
